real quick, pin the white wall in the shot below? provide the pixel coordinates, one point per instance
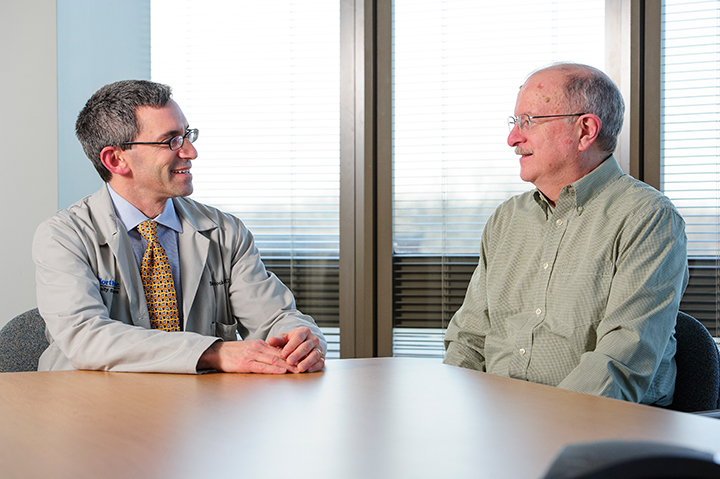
(28, 122)
(98, 42)
(55, 54)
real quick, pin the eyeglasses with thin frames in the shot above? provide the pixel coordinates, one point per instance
(524, 121)
(175, 143)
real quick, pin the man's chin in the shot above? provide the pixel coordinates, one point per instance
(186, 190)
(527, 175)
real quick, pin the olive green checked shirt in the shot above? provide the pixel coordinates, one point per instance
(583, 296)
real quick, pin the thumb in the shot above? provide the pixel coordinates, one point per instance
(277, 341)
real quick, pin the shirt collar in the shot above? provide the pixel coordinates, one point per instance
(590, 185)
(131, 216)
(587, 187)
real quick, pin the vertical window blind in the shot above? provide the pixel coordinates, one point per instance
(261, 81)
(690, 144)
(458, 65)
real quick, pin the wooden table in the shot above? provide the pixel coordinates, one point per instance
(362, 418)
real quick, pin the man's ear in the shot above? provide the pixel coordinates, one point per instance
(112, 158)
(589, 130)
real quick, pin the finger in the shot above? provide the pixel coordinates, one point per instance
(264, 368)
(261, 362)
(313, 362)
(304, 350)
(295, 338)
(251, 356)
(268, 355)
(278, 341)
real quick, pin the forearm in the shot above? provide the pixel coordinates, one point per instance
(458, 354)
(210, 358)
(465, 335)
(627, 356)
(635, 336)
(272, 311)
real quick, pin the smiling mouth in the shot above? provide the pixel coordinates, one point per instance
(183, 171)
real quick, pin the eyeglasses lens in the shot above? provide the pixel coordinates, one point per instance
(524, 122)
(177, 142)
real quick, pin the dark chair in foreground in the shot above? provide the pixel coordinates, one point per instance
(22, 341)
(632, 460)
(698, 367)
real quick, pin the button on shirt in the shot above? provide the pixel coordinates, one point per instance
(583, 295)
(168, 228)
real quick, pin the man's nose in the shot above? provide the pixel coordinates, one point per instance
(515, 136)
(187, 150)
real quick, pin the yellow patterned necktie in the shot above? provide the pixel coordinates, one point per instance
(157, 281)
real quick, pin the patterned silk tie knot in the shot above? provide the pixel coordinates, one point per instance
(157, 281)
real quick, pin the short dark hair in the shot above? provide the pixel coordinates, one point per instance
(588, 90)
(109, 116)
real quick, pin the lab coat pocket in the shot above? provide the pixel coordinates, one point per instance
(226, 332)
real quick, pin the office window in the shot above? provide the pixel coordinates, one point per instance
(457, 69)
(690, 143)
(261, 82)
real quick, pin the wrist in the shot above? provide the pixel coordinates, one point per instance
(210, 357)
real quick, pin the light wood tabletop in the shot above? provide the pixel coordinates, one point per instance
(359, 418)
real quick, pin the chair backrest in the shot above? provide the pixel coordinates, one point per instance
(22, 341)
(698, 367)
(632, 460)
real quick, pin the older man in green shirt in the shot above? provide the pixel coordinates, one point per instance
(579, 280)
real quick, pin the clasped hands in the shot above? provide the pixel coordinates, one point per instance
(298, 351)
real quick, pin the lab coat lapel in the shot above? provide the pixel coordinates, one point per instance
(193, 247)
(110, 231)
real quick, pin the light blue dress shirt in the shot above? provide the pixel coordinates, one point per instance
(168, 228)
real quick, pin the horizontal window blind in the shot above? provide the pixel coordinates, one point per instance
(457, 69)
(691, 141)
(458, 65)
(261, 81)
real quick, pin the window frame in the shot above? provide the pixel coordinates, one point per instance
(633, 46)
(633, 33)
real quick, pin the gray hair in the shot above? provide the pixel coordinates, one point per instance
(109, 116)
(588, 90)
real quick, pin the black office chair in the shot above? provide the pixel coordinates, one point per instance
(632, 460)
(698, 367)
(22, 341)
